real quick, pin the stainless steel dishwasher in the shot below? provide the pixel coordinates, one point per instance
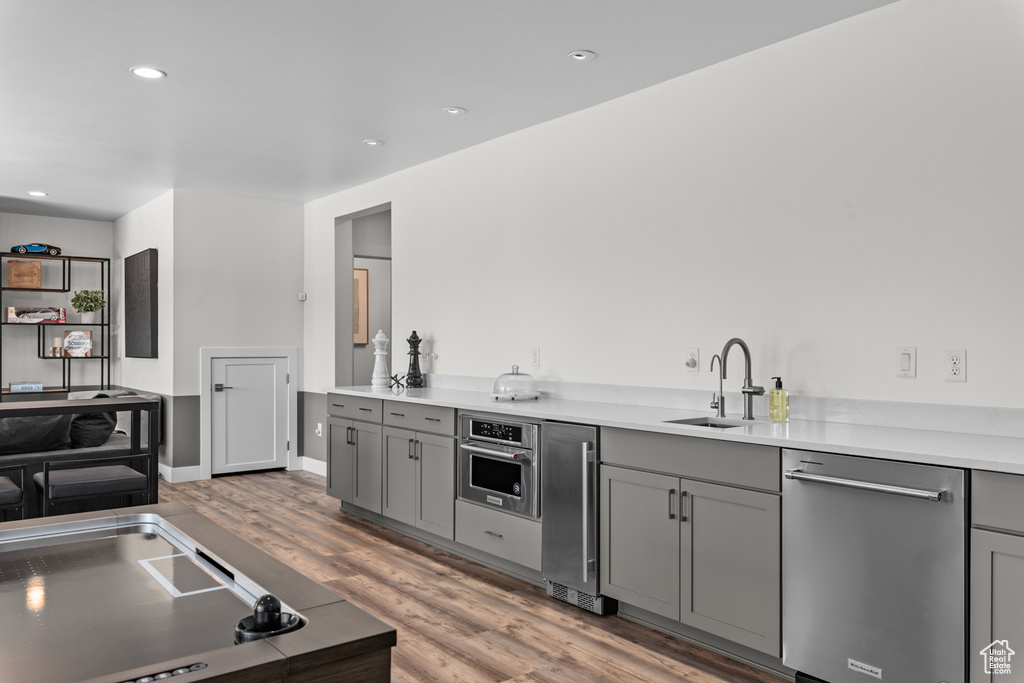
(874, 570)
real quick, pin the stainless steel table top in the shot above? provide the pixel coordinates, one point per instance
(90, 603)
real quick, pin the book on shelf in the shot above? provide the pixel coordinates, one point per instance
(25, 387)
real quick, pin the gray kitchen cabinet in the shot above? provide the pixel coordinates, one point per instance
(419, 469)
(354, 451)
(354, 462)
(706, 554)
(640, 539)
(997, 577)
(511, 537)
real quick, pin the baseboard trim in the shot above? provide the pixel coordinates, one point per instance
(176, 475)
(313, 465)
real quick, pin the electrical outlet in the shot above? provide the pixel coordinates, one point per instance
(956, 365)
(692, 360)
(535, 356)
(319, 428)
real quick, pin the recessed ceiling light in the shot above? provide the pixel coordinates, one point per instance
(148, 72)
(454, 111)
(37, 193)
(373, 143)
(582, 56)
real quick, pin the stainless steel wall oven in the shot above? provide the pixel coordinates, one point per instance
(499, 464)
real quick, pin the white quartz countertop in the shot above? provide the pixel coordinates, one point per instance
(933, 447)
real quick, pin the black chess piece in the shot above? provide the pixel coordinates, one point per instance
(415, 378)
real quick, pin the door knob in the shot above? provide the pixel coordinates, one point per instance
(220, 387)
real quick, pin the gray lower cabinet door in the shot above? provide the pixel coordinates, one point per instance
(354, 462)
(435, 462)
(366, 474)
(731, 564)
(399, 475)
(997, 607)
(640, 539)
(340, 459)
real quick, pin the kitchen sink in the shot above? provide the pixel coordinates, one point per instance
(716, 422)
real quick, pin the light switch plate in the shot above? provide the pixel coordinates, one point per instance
(906, 361)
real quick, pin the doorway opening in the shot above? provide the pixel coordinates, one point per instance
(363, 241)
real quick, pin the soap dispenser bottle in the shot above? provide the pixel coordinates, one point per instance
(778, 402)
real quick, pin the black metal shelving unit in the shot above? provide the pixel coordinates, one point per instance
(102, 352)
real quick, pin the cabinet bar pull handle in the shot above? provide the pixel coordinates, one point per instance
(366, 410)
(338, 405)
(412, 448)
(348, 436)
(398, 414)
(432, 419)
(682, 505)
(671, 503)
(492, 533)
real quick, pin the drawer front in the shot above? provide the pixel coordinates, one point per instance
(727, 462)
(420, 418)
(997, 500)
(516, 539)
(354, 407)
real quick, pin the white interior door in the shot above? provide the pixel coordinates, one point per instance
(249, 414)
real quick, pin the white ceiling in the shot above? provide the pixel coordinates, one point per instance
(273, 98)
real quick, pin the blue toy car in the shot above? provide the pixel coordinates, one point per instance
(36, 248)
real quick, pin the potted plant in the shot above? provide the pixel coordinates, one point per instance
(88, 303)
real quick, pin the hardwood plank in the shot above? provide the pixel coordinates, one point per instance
(456, 620)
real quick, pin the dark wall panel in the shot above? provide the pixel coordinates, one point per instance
(140, 287)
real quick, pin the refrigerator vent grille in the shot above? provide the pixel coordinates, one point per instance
(585, 601)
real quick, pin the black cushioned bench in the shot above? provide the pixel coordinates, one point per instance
(52, 470)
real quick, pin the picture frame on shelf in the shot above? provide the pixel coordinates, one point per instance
(77, 343)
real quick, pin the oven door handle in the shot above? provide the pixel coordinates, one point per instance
(520, 457)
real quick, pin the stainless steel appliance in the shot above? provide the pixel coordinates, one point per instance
(499, 464)
(569, 535)
(874, 570)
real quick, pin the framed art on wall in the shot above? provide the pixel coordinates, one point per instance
(140, 311)
(360, 306)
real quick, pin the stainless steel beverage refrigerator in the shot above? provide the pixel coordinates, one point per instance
(569, 512)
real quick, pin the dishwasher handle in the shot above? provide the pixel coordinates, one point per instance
(865, 485)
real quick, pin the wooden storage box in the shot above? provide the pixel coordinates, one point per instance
(25, 274)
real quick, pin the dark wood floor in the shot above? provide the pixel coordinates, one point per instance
(456, 621)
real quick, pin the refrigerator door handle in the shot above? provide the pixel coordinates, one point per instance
(586, 508)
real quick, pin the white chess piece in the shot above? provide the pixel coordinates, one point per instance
(380, 376)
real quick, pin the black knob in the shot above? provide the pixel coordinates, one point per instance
(266, 614)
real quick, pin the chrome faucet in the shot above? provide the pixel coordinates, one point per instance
(749, 390)
(718, 400)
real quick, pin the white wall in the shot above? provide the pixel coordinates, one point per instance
(237, 277)
(151, 226)
(827, 198)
